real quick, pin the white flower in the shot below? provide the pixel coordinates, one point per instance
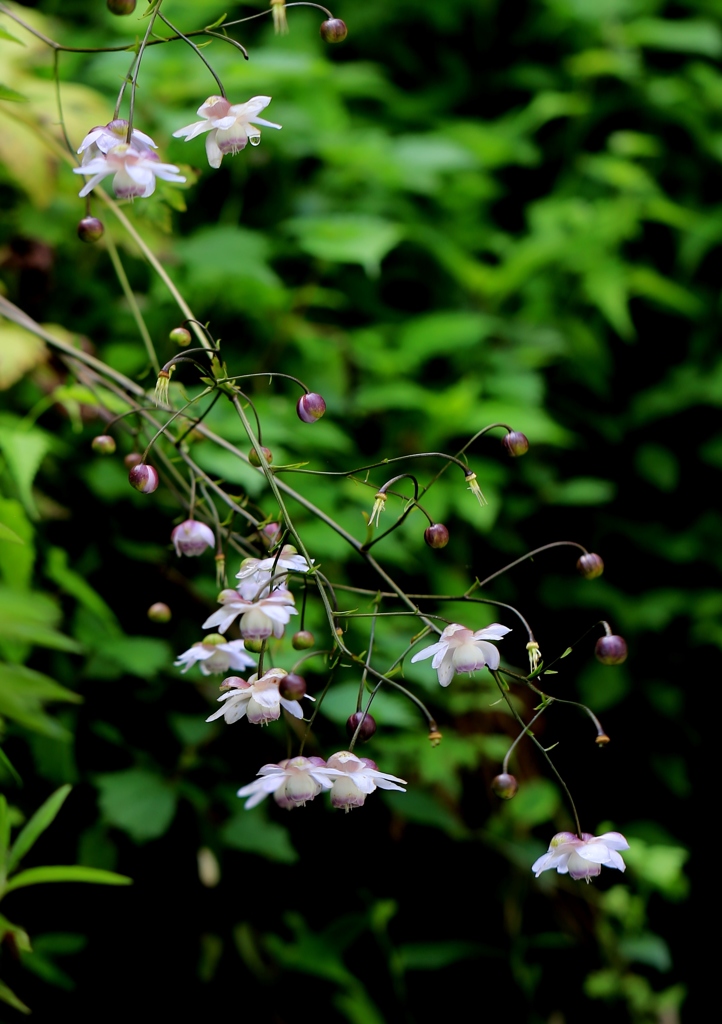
(356, 777)
(230, 126)
(582, 858)
(214, 655)
(460, 650)
(259, 619)
(192, 538)
(104, 137)
(258, 698)
(262, 570)
(134, 171)
(293, 782)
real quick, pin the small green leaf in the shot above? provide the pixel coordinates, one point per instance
(217, 22)
(9, 767)
(566, 653)
(16, 97)
(251, 832)
(140, 802)
(9, 535)
(43, 817)
(4, 828)
(7, 995)
(66, 873)
(4, 34)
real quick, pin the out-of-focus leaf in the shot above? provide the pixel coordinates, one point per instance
(65, 873)
(10, 94)
(137, 801)
(43, 817)
(251, 832)
(71, 582)
(142, 656)
(20, 351)
(351, 238)
(22, 695)
(676, 35)
(6, 994)
(536, 801)
(4, 34)
(29, 617)
(646, 949)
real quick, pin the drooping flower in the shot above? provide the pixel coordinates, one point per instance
(379, 505)
(293, 782)
(356, 777)
(215, 655)
(104, 137)
(134, 171)
(259, 619)
(192, 538)
(460, 650)
(259, 699)
(582, 858)
(262, 570)
(230, 126)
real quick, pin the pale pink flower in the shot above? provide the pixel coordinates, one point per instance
(230, 126)
(356, 777)
(460, 650)
(259, 699)
(134, 171)
(262, 570)
(104, 137)
(293, 782)
(215, 655)
(582, 858)
(192, 538)
(259, 619)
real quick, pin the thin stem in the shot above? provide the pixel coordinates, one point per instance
(262, 14)
(132, 302)
(530, 554)
(193, 46)
(524, 732)
(136, 70)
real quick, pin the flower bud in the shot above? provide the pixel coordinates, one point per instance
(368, 725)
(180, 336)
(253, 644)
(144, 478)
(254, 459)
(90, 229)
(590, 566)
(505, 786)
(303, 640)
(159, 612)
(310, 407)
(611, 650)
(121, 6)
(132, 459)
(333, 30)
(292, 687)
(269, 533)
(436, 535)
(103, 444)
(515, 443)
(192, 538)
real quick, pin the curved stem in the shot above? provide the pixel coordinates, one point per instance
(193, 46)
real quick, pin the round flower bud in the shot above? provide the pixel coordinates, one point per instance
(90, 229)
(436, 535)
(270, 532)
(515, 443)
(144, 478)
(253, 644)
(505, 786)
(159, 612)
(611, 650)
(192, 538)
(303, 640)
(132, 459)
(590, 566)
(253, 456)
(368, 725)
(103, 444)
(121, 6)
(180, 336)
(310, 407)
(292, 687)
(333, 30)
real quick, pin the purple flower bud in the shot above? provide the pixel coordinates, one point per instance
(103, 444)
(192, 538)
(180, 336)
(590, 566)
(436, 535)
(368, 726)
(132, 459)
(611, 650)
(333, 30)
(505, 786)
(144, 478)
(159, 612)
(515, 443)
(310, 407)
(303, 640)
(253, 456)
(90, 229)
(121, 6)
(292, 687)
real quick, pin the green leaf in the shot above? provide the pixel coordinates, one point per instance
(4, 829)
(6, 994)
(9, 767)
(30, 617)
(72, 583)
(23, 449)
(4, 34)
(43, 817)
(6, 534)
(139, 802)
(66, 873)
(676, 35)
(22, 695)
(353, 238)
(251, 832)
(15, 97)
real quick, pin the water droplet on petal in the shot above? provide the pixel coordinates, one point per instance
(255, 140)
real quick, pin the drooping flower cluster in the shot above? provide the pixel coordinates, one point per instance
(460, 650)
(582, 858)
(133, 164)
(258, 699)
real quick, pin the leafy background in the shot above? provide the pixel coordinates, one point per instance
(474, 212)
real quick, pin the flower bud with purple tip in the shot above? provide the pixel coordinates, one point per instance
(505, 786)
(333, 30)
(310, 407)
(436, 535)
(192, 538)
(90, 229)
(144, 478)
(611, 650)
(103, 444)
(515, 443)
(590, 566)
(368, 725)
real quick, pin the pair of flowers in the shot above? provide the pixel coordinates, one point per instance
(135, 166)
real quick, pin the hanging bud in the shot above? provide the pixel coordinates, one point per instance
(368, 725)
(333, 30)
(132, 459)
(192, 538)
(159, 612)
(590, 566)
(180, 336)
(253, 456)
(269, 533)
(253, 644)
(378, 508)
(90, 229)
(303, 640)
(310, 407)
(280, 24)
(103, 444)
(144, 478)
(162, 385)
(436, 535)
(292, 687)
(121, 6)
(611, 650)
(505, 786)
(515, 444)
(435, 737)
